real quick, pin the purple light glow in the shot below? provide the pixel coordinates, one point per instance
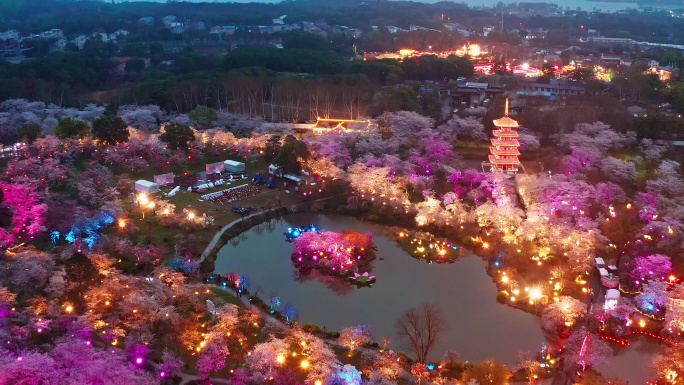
(139, 360)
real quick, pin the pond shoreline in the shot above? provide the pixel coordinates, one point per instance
(223, 237)
(463, 290)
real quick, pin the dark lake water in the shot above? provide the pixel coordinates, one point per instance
(477, 326)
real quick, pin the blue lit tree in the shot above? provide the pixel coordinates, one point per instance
(290, 313)
(346, 375)
(244, 281)
(274, 303)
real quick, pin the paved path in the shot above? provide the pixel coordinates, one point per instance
(225, 228)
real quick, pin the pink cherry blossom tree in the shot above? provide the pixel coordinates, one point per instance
(562, 314)
(354, 336)
(586, 349)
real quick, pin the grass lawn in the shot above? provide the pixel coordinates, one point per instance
(151, 228)
(226, 296)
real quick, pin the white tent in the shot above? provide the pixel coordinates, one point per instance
(599, 262)
(603, 272)
(612, 297)
(275, 170)
(612, 294)
(145, 186)
(234, 166)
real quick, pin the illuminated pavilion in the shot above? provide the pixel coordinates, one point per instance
(504, 148)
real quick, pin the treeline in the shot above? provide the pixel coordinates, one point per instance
(74, 78)
(278, 98)
(328, 63)
(84, 16)
(63, 78)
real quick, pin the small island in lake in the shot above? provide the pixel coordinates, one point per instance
(337, 254)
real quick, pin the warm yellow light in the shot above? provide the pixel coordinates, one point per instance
(505, 279)
(280, 359)
(305, 364)
(318, 382)
(191, 215)
(474, 50)
(642, 323)
(69, 309)
(485, 245)
(535, 294)
(122, 223)
(143, 199)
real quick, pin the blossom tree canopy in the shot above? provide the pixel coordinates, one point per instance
(585, 349)
(563, 313)
(653, 297)
(338, 251)
(354, 336)
(75, 360)
(28, 213)
(656, 266)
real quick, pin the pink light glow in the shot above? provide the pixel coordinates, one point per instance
(139, 360)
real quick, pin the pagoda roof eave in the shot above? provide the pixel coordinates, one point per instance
(512, 162)
(505, 134)
(507, 143)
(506, 122)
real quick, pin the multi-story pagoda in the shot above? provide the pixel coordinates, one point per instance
(504, 148)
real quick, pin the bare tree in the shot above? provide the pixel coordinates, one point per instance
(420, 328)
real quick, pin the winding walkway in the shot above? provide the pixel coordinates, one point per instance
(225, 228)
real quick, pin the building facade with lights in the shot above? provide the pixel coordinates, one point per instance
(504, 149)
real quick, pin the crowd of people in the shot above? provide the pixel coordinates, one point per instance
(234, 194)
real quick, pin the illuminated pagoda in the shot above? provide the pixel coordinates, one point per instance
(504, 148)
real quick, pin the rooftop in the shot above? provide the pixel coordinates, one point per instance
(506, 122)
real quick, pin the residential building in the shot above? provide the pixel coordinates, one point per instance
(419, 28)
(223, 30)
(118, 34)
(472, 94)
(392, 29)
(147, 20)
(558, 87)
(609, 40)
(611, 61)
